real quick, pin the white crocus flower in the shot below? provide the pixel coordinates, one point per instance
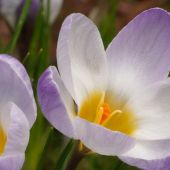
(115, 102)
(17, 113)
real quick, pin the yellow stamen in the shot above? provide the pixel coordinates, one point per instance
(114, 113)
(123, 121)
(99, 115)
(83, 149)
(96, 109)
(81, 146)
(2, 140)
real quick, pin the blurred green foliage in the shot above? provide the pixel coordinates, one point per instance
(107, 26)
(99, 162)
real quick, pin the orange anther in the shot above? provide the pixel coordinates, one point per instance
(106, 112)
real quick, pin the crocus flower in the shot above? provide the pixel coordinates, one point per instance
(11, 8)
(17, 113)
(115, 102)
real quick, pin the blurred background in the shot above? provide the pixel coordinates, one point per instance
(109, 15)
(34, 44)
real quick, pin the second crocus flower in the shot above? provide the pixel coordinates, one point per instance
(17, 112)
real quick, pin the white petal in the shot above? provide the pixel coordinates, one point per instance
(17, 130)
(149, 150)
(155, 164)
(102, 140)
(152, 109)
(139, 55)
(149, 155)
(81, 57)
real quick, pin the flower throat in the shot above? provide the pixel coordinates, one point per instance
(97, 110)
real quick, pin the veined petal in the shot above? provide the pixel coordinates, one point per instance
(152, 109)
(16, 87)
(102, 140)
(81, 57)
(16, 127)
(139, 55)
(149, 155)
(56, 103)
(12, 162)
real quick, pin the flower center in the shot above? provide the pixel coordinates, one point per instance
(96, 109)
(2, 140)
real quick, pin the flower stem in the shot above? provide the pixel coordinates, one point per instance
(74, 161)
(66, 161)
(44, 152)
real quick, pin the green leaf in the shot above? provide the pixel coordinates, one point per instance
(44, 152)
(18, 27)
(35, 47)
(95, 161)
(36, 62)
(107, 25)
(66, 155)
(38, 139)
(38, 59)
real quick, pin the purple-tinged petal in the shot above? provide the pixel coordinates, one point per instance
(148, 155)
(16, 87)
(12, 162)
(55, 102)
(33, 11)
(150, 149)
(16, 127)
(155, 164)
(102, 140)
(140, 53)
(81, 57)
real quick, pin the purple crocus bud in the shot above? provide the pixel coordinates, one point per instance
(34, 8)
(122, 95)
(17, 112)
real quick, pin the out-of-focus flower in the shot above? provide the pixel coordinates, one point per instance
(8, 9)
(17, 113)
(12, 8)
(116, 102)
(55, 6)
